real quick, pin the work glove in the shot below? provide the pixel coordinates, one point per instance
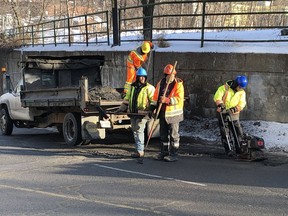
(165, 100)
(123, 108)
(152, 108)
(233, 110)
(152, 111)
(152, 115)
(221, 107)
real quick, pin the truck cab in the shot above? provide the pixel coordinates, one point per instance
(12, 111)
(12, 100)
(57, 91)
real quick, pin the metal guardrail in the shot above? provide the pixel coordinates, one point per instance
(94, 28)
(204, 19)
(86, 29)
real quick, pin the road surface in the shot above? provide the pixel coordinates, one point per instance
(40, 175)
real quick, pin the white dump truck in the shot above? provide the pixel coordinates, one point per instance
(65, 92)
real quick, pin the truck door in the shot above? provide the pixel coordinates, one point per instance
(17, 111)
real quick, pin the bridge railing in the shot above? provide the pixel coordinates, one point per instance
(86, 29)
(199, 16)
(203, 16)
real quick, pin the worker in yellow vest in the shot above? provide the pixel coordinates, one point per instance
(136, 103)
(231, 97)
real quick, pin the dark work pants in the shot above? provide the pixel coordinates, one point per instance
(169, 135)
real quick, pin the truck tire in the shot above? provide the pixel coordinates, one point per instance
(6, 122)
(72, 129)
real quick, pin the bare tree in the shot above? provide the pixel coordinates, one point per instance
(16, 12)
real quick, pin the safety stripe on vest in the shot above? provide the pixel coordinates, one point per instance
(225, 94)
(173, 113)
(137, 54)
(173, 101)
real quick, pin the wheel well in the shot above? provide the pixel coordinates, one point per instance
(3, 106)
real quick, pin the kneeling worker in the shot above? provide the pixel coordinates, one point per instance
(232, 97)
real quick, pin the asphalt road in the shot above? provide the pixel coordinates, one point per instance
(40, 175)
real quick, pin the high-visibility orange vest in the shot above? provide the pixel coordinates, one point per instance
(134, 61)
(176, 95)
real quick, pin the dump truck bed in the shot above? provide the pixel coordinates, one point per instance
(66, 82)
(62, 97)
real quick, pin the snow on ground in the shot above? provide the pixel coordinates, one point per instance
(274, 134)
(190, 46)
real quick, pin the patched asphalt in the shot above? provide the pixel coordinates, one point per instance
(121, 145)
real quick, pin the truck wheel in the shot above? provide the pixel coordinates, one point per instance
(72, 129)
(6, 122)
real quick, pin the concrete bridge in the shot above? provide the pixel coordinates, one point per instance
(202, 72)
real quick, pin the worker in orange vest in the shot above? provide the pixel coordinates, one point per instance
(171, 113)
(135, 60)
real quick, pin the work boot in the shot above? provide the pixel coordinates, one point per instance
(137, 154)
(229, 153)
(160, 156)
(173, 151)
(171, 158)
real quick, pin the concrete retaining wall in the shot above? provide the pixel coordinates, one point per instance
(267, 91)
(202, 73)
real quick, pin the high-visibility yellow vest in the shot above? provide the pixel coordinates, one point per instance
(230, 98)
(144, 97)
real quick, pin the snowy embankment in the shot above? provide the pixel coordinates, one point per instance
(274, 134)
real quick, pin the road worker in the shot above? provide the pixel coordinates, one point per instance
(171, 112)
(231, 97)
(137, 100)
(135, 60)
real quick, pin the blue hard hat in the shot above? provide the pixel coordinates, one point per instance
(242, 81)
(141, 72)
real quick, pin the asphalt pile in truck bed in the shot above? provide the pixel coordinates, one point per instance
(104, 93)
